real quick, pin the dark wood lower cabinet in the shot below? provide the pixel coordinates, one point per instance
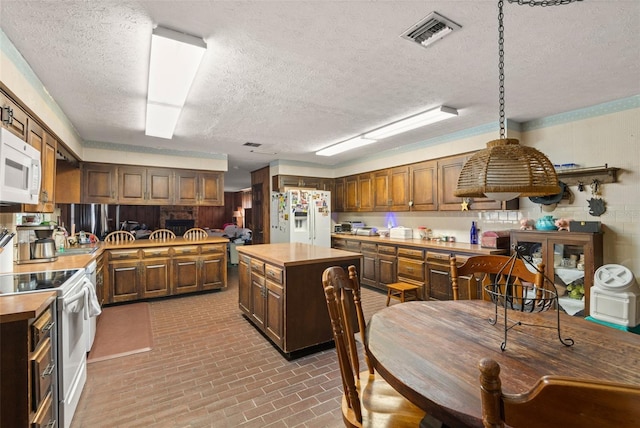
(286, 301)
(155, 271)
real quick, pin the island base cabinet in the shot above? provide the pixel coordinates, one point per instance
(287, 303)
(212, 271)
(274, 300)
(156, 278)
(185, 275)
(124, 280)
(244, 277)
(151, 272)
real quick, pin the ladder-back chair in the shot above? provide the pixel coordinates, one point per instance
(367, 400)
(469, 279)
(162, 234)
(119, 236)
(195, 233)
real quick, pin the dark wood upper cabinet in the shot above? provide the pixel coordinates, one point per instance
(338, 195)
(12, 117)
(198, 188)
(423, 178)
(99, 183)
(142, 186)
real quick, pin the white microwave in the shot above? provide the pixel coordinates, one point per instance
(19, 170)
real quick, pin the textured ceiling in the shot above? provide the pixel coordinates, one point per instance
(297, 76)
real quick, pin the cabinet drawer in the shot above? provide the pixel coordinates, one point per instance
(123, 254)
(438, 257)
(43, 367)
(44, 416)
(185, 250)
(274, 273)
(155, 252)
(257, 266)
(410, 253)
(368, 248)
(245, 259)
(213, 249)
(412, 269)
(387, 249)
(41, 328)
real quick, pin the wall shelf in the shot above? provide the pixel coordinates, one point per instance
(586, 176)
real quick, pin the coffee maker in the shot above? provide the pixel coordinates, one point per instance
(35, 244)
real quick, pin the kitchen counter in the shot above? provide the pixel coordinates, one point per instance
(21, 307)
(454, 247)
(79, 261)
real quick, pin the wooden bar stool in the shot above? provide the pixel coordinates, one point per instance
(401, 290)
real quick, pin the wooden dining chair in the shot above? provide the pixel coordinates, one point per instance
(469, 279)
(367, 400)
(162, 234)
(195, 233)
(119, 237)
(558, 401)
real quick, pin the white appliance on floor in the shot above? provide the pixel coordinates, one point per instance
(301, 215)
(91, 321)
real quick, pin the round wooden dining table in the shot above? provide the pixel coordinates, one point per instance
(429, 352)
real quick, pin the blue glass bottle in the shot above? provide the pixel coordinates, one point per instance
(473, 234)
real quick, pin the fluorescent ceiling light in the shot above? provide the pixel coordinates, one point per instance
(413, 122)
(344, 146)
(175, 58)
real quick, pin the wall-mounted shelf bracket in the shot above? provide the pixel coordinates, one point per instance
(586, 176)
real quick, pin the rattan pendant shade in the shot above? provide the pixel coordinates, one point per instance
(507, 167)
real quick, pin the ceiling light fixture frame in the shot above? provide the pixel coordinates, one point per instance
(404, 125)
(174, 61)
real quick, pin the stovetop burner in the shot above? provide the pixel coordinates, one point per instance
(12, 283)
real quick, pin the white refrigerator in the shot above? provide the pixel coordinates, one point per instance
(301, 216)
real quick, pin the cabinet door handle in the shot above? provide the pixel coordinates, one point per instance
(47, 371)
(45, 196)
(49, 326)
(7, 116)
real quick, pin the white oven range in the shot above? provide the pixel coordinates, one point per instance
(76, 305)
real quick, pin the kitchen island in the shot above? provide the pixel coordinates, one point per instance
(280, 292)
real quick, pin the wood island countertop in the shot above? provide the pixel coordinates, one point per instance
(295, 254)
(456, 247)
(24, 306)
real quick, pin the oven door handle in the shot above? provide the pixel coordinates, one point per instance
(71, 304)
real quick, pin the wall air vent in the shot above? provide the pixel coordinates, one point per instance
(430, 29)
(250, 144)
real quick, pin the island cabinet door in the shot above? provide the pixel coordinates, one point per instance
(274, 312)
(124, 280)
(257, 299)
(212, 272)
(244, 284)
(185, 275)
(156, 278)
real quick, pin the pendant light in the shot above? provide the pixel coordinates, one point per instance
(505, 169)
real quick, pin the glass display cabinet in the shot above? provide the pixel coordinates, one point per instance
(570, 259)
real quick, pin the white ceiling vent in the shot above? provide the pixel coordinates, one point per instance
(430, 29)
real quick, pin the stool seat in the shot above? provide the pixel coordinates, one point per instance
(401, 291)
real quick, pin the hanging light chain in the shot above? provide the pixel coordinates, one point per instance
(542, 2)
(501, 67)
(531, 3)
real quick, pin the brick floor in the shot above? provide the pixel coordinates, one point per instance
(209, 367)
